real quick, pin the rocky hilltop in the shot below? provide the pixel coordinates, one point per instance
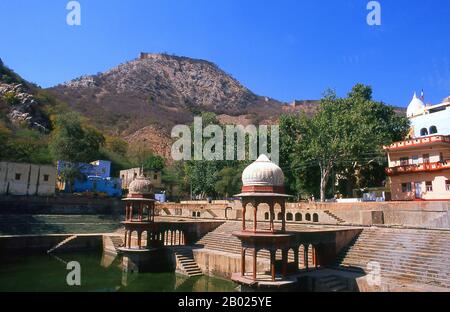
(18, 102)
(161, 90)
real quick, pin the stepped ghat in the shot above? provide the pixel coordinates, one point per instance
(326, 251)
(318, 248)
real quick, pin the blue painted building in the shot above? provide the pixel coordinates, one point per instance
(429, 119)
(94, 177)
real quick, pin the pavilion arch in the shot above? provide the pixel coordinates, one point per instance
(289, 217)
(315, 217)
(433, 130)
(280, 216)
(298, 216)
(423, 132)
(301, 255)
(308, 217)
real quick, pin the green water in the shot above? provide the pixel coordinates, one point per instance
(47, 273)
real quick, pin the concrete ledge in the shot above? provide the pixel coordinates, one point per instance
(20, 244)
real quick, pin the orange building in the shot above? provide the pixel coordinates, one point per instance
(419, 169)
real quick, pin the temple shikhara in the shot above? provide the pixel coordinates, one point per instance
(419, 168)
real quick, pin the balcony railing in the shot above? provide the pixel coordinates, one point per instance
(419, 141)
(425, 167)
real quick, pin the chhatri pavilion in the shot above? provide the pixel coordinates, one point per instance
(263, 186)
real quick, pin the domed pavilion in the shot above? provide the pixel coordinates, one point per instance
(139, 211)
(263, 186)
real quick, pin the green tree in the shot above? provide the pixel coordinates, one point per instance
(116, 145)
(345, 135)
(71, 141)
(229, 181)
(154, 162)
(69, 174)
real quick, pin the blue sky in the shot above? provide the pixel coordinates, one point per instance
(285, 49)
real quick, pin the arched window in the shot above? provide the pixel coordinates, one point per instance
(315, 217)
(194, 214)
(289, 216)
(280, 216)
(423, 132)
(298, 216)
(198, 214)
(433, 130)
(308, 217)
(266, 216)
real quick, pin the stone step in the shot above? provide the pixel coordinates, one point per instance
(398, 256)
(390, 264)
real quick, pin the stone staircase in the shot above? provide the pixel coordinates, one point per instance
(186, 262)
(332, 215)
(117, 242)
(332, 283)
(223, 240)
(59, 245)
(404, 256)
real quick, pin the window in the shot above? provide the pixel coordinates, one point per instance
(308, 217)
(426, 158)
(289, 216)
(415, 160)
(18, 176)
(155, 177)
(315, 217)
(404, 161)
(429, 185)
(441, 157)
(406, 187)
(433, 130)
(280, 216)
(266, 216)
(46, 177)
(298, 216)
(423, 132)
(447, 185)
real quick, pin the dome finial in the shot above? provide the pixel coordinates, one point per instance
(415, 107)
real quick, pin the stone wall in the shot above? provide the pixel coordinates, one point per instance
(59, 205)
(222, 264)
(431, 214)
(41, 243)
(27, 179)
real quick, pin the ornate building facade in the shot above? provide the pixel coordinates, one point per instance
(419, 168)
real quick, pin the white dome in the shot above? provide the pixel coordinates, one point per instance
(416, 107)
(141, 186)
(263, 172)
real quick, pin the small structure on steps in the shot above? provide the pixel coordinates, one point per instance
(139, 218)
(145, 238)
(263, 183)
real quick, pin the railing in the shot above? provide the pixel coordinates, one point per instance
(425, 167)
(419, 141)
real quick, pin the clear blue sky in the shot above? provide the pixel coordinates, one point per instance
(285, 49)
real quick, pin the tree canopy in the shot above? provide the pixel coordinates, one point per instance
(71, 141)
(345, 134)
